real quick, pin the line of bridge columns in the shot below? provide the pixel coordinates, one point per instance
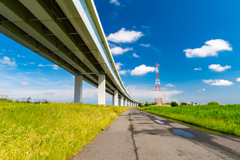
(101, 93)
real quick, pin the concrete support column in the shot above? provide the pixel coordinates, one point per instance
(115, 98)
(125, 102)
(78, 89)
(101, 90)
(121, 101)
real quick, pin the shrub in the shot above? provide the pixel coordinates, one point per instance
(174, 104)
(183, 104)
(213, 103)
(140, 105)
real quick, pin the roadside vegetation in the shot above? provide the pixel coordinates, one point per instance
(223, 118)
(50, 130)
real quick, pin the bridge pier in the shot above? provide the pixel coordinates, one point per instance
(101, 90)
(115, 98)
(78, 89)
(121, 100)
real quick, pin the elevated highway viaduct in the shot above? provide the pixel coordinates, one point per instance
(69, 34)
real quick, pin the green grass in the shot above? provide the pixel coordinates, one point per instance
(223, 118)
(50, 131)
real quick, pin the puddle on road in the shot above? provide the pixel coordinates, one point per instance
(194, 126)
(183, 133)
(158, 121)
(190, 125)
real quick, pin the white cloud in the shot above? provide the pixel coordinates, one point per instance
(115, 2)
(111, 45)
(51, 94)
(202, 90)
(238, 79)
(7, 60)
(123, 72)
(20, 56)
(55, 67)
(218, 67)
(135, 55)
(145, 26)
(3, 85)
(50, 65)
(119, 50)
(145, 93)
(142, 69)
(145, 45)
(124, 36)
(25, 83)
(218, 82)
(3, 50)
(169, 85)
(118, 65)
(23, 64)
(198, 69)
(113, 15)
(211, 48)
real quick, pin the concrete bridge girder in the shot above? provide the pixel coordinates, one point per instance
(45, 42)
(47, 18)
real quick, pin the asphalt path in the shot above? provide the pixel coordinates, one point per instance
(137, 135)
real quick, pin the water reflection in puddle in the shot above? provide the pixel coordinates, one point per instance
(158, 121)
(183, 133)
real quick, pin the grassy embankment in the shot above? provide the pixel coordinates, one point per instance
(50, 131)
(223, 118)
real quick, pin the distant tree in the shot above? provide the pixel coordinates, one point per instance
(183, 104)
(213, 103)
(140, 105)
(153, 103)
(146, 104)
(174, 104)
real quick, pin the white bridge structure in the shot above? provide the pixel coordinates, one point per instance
(69, 34)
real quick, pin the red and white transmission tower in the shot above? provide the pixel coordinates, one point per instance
(158, 93)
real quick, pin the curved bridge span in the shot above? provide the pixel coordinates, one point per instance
(69, 34)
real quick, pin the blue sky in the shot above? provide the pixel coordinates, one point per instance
(196, 44)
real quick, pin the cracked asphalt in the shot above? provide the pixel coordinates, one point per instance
(136, 135)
